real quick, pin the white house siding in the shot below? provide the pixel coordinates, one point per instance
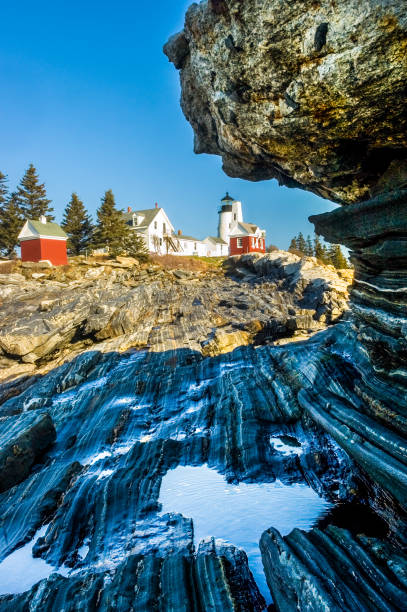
(192, 247)
(216, 249)
(155, 232)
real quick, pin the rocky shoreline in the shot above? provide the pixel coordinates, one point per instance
(123, 419)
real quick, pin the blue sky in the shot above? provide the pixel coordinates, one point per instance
(89, 98)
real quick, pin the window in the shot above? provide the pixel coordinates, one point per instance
(234, 217)
(239, 243)
(161, 241)
(155, 225)
(134, 220)
(164, 228)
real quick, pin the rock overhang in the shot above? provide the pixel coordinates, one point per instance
(312, 94)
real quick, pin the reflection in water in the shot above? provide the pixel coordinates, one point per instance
(20, 570)
(239, 513)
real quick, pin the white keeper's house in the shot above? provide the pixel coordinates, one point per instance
(159, 234)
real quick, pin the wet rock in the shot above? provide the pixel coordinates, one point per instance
(309, 94)
(333, 569)
(23, 441)
(217, 578)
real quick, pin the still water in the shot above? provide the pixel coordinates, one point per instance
(239, 513)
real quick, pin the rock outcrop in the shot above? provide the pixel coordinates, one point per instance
(23, 441)
(45, 321)
(332, 569)
(310, 93)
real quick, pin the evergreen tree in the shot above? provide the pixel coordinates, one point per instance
(3, 189)
(319, 249)
(78, 225)
(309, 248)
(293, 245)
(301, 244)
(133, 245)
(337, 257)
(11, 223)
(32, 196)
(111, 229)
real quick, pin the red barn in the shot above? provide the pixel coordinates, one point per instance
(247, 238)
(43, 241)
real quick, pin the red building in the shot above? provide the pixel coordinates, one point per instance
(247, 238)
(43, 241)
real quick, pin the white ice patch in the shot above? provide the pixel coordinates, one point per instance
(83, 551)
(105, 474)
(282, 447)
(20, 571)
(239, 513)
(96, 458)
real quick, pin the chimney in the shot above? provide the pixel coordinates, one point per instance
(179, 233)
(43, 219)
(129, 209)
(156, 204)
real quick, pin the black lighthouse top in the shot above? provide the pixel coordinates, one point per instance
(227, 198)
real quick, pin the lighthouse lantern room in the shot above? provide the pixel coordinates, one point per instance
(241, 237)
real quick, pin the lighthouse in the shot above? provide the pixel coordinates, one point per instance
(230, 212)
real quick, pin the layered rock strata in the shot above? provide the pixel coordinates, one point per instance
(216, 578)
(45, 321)
(124, 420)
(331, 569)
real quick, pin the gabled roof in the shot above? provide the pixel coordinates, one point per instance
(182, 237)
(216, 240)
(250, 228)
(149, 215)
(37, 228)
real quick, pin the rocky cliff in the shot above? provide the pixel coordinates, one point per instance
(304, 92)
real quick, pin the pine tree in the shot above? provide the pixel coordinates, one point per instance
(301, 244)
(78, 225)
(309, 247)
(11, 223)
(3, 189)
(337, 257)
(133, 245)
(319, 249)
(293, 245)
(32, 196)
(111, 229)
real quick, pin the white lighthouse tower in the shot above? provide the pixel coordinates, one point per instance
(230, 212)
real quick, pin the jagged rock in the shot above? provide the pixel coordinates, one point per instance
(122, 422)
(333, 570)
(309, 93)
(23, 441)
(43, 321)
(217, 578)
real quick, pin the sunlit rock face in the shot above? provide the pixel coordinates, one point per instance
(310, 93)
